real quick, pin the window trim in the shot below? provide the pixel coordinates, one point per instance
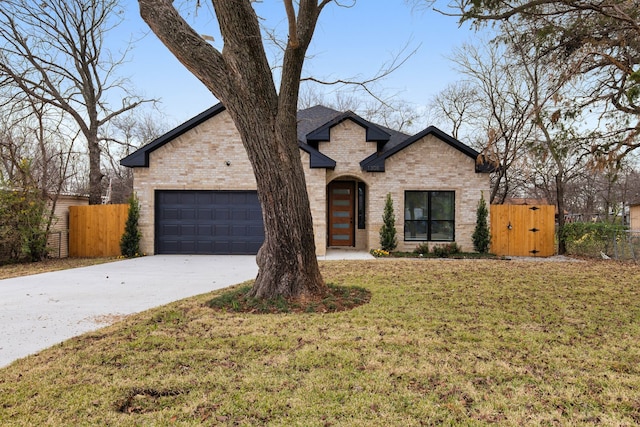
(361, 195)
(429, 222)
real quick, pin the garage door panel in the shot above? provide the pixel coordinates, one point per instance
(239, 215)
(187, 214)
(187, 246)
(204, 198)
(256, 231)
(208, 222)
(205, 247)
(187, 198)
(221, 214)
(254, 215)
(187, 230)
(171, 246)
(205, 230)
(171, 198)
(238, 198)
(170, 230)
(205, 214)
(170, 213)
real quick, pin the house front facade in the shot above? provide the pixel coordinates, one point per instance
(197, 191)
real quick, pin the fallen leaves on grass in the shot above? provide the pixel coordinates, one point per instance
(439, 343)
(47, 265)
(337, 298)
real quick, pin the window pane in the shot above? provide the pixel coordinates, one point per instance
(361, 213)
(341, 191)
(442, 205)
(429, 216)
(415, 230)
(442, 231)
(415, 205)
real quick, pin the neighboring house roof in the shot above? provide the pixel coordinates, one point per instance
(314, 125)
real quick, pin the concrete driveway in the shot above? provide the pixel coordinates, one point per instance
(39, 311)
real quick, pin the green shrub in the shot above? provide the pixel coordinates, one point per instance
(388, 240)
(446, 250)
(23, 221)
(130, 241)
(481, 235)
(592, 238)
(422, 249)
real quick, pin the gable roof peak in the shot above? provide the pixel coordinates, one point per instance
(374, 133)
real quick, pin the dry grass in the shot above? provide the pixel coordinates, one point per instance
(440, 342)
(50, 264)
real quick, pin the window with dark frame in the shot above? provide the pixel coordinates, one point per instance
(361, 212)
(429, 216)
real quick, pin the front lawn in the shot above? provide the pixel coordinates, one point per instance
(465, 342)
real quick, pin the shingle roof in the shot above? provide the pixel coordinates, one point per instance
(314, 124)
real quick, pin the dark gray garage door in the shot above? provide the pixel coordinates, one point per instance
(208, 222)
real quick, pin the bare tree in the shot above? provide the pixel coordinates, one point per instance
(36, 150)
(394, 114)
(54, 52)
(121, 137)
(503, 109)
(599, 41)
(457, 104)
(553, 112)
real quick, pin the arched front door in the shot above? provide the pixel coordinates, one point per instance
(341, 213)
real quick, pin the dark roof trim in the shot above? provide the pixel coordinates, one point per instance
(316, 158)
(374, 133)
(140, 158)
(375, 162)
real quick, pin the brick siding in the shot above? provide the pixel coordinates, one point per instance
(197, 160)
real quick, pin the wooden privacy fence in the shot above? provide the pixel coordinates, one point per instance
(523, 230)
(96, 230)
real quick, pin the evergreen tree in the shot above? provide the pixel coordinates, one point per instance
(481, 235)
(388, 241)
(130, 242)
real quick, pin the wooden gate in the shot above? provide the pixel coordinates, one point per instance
(523, 230)
(95, 231)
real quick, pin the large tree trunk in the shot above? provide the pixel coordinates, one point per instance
(287, 260)
(562, 241)
(95, 172)
(240, 76)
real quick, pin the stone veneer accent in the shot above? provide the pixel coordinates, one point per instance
(197, 160)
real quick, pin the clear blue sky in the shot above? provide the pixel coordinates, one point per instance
(349, 42)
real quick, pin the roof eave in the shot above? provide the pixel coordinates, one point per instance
(140, 157)
(373, 132)
(317, 160)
